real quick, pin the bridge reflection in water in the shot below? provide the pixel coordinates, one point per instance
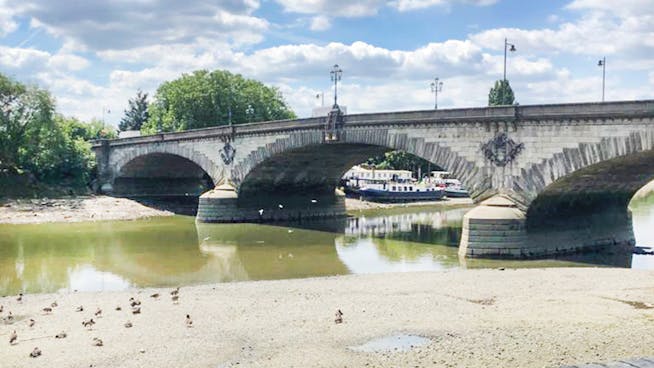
(175, 251)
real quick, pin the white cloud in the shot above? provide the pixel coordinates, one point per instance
(320, 23)
(362, 8)
(624, 7)
(18, 60)
(626, 31)
(143, 50)
(7, 24)
(340, 8)
(119, 25)
(67, 62)
(407, 5)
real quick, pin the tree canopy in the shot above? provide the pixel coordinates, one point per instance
(137, 113)
(204, 99)
(26, 112)
(501, 94)
(34, 139)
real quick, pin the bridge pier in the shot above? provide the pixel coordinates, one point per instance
(223, 204)
(497, 228)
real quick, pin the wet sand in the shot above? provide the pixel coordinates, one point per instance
(104, 208)
(472, 318)
(75, 209)
(353, 204)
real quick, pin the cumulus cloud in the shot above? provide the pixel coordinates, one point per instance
(144, 44)
(407, 5)
(320, 23)
(7, 24)
(624, 7)
(102, 25)
(361, 8)
(339, 8)
(627, 30)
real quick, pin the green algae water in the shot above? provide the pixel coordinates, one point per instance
(174, 251)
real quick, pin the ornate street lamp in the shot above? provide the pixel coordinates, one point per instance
(436, 87)
(336, 74)
(602, 63)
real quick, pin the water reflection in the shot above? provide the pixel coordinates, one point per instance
(642, 213)
(175, 251)
(264, 252)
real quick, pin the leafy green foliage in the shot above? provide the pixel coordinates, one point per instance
(85, 131)
(501, 94)
(401, 160)
(54, 156)
(23, 111)
(137, 113)
(35, 140)
(204, 99)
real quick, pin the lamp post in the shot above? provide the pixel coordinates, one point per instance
(512, 49)
(436, 86)
(104, 110)
(602, 63)
(249, 112)
(336, 74)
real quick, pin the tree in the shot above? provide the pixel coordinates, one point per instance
(92, 130)
(24, 111)
(501, 94)
(204, 99)
(34, 139)
(56, 156)
(137, 114)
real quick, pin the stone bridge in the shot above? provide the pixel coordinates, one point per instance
(550, 178)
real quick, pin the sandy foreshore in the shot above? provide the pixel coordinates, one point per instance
(75, 209)
(478, 318)
(104, 208)
(353, 204)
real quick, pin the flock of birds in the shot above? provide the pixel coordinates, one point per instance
(134, 304)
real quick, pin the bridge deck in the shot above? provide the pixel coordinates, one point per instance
(487, 114)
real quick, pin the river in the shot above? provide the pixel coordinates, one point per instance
(172, 251)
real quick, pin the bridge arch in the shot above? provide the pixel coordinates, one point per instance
(303, 161)
(598, 160)
(121, 158)
(161, 173)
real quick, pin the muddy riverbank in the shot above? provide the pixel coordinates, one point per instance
(74, 209)
(104, 208)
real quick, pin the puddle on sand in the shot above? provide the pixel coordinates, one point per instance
(394, 343)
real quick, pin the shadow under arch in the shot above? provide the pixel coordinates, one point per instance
(163, 180)
(590, 207)
(304, 178)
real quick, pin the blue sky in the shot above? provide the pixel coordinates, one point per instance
(94, 55)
